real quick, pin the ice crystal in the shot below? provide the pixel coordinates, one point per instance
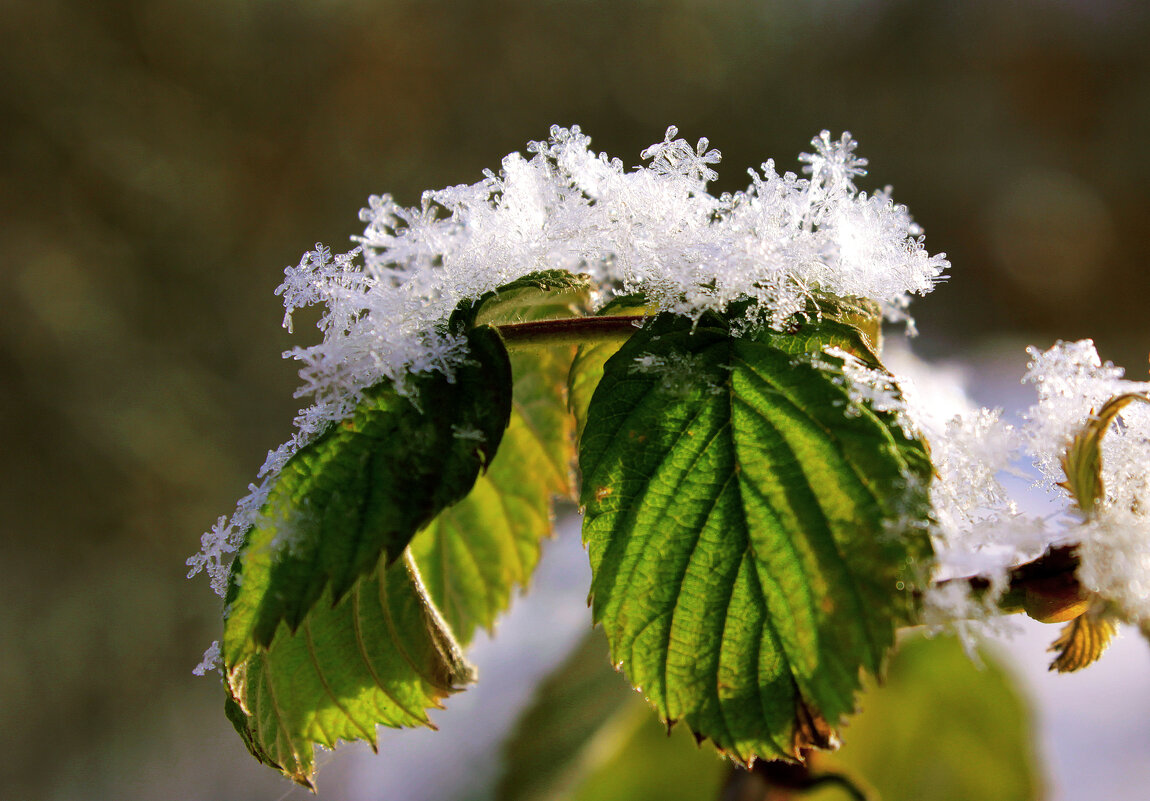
(1114, 543)
(875, 389)
(655, 230)
(210, 661)
(216, 546)
(680, 375)
(978, 529)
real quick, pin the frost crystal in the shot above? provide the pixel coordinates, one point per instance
(211, 660)
(680, 374)
(875, 389)
(979, 530)
(1114, 544)
(654, 230)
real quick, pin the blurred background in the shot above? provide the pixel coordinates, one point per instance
(162, 161)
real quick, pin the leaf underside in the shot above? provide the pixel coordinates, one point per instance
(327, 630)
(941, 728)
(363, 489)
(580, 714)
(474, 554)
(1082, 642)
(749, 528)
(380, 656)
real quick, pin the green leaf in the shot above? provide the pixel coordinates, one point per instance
(750, 531)
(587, 735)
(581, 715)
(477, 551)
(380, 656)
(652, 763)
(809, 335)
(940, 727)
(361, 490)
(863, 314)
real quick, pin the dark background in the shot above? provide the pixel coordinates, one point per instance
(161, 162)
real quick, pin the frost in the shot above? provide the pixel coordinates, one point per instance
(211, 660)
(676, 157)
(215, 547)
(977, 528)
(468, 433)
(875, 389)
(1114, 544)
(655, 230)
(680, 374)
(1073, 382)
(1115, 561)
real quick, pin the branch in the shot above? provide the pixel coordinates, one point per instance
(570, 331)
(1047, 588)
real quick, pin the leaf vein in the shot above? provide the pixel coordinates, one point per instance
(357, 599)
(327, 687)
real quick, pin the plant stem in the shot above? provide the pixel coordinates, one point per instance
(570, 331)
(768, 779)
(1049, 579)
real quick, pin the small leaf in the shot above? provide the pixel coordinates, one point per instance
(1085, 638)
(478, 550)
(581, 715)
(1082, 462)
(380, 656)
(656, 764)
(810, 335)
(1082, 642)
(940, 728)
(862, 314)
(361, 490)
(750, 530)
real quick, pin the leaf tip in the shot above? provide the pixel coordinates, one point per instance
(1082, 642)
(811, 732)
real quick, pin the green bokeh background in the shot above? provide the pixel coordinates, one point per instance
(161, 161)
